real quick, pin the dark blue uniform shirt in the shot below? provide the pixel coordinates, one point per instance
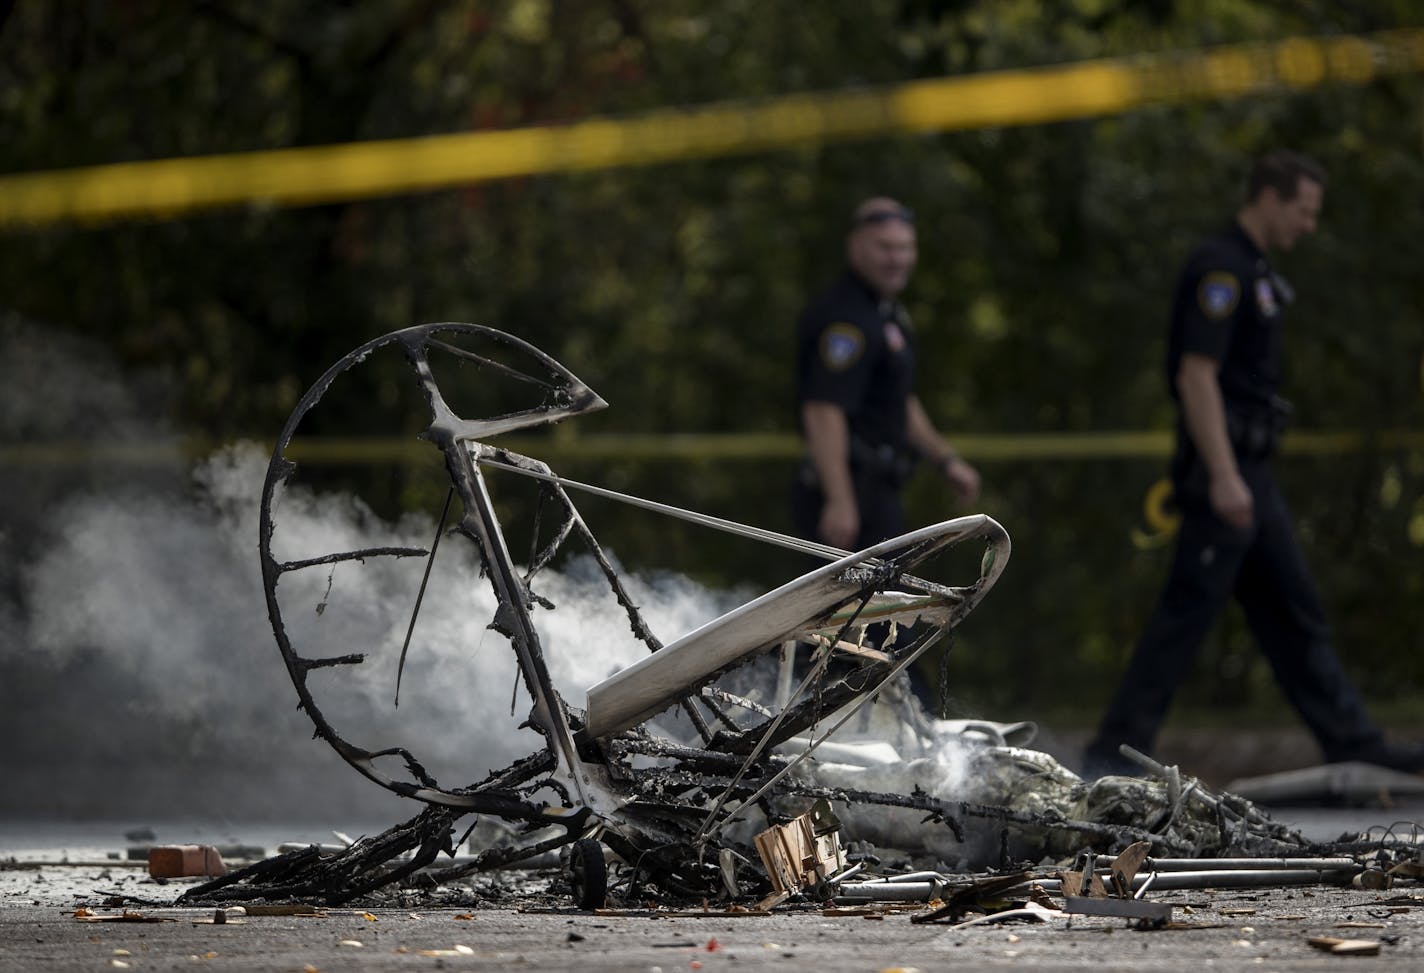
(1227, 306)
(856, 351)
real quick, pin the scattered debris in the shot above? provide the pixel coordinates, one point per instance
(663, 808)
(1372, 878)
(705, 913)
(804, 852)
(229, 852)
(458, 950)
(282, 909)
(1124, 867)
(84, 915)
(1030, 911)
(184, 861)
(309, 874)
(1148, 915)
(1346, 947)
(975, 896)
(751, 773)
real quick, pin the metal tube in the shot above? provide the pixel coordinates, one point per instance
(1162, 874)
(931, 877)
(855, 869)
(1249, 813)
(1247, 878)
(1239, 864)
(908, 877)
(1223, 879)
(888, 891)
(706, 520)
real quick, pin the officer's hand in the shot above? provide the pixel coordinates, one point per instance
(840, 523)
(1231, 499)
(963, 478)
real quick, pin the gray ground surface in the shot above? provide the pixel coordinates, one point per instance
(1226, 930)
(518, 921)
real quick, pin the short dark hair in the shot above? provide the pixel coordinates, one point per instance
(883, 215)
(880, 209)
(1282, 170)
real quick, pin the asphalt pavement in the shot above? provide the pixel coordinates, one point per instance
(70, 899)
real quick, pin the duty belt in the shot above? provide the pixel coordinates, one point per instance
(882, 462)
(1257, 432)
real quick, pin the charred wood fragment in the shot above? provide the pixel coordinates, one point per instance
(362, 868)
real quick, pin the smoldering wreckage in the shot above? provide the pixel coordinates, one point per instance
(770, 758)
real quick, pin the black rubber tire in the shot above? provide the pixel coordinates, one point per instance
(588, 874)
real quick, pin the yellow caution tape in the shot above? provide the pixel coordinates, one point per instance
(1161, 517)
(687, 447)
(324, 174)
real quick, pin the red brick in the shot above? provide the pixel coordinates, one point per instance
(181, 861)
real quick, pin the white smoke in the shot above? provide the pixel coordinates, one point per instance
(163, 594)
(139, 675)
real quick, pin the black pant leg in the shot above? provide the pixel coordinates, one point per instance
(1284, 610)
(882, 515)
(877, 500)
(1208, 555)
(806, 502)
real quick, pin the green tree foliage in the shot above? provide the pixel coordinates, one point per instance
(1047, 254)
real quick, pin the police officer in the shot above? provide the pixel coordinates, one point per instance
(1236, 535)
(863, 425)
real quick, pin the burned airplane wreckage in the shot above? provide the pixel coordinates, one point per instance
(695, 815)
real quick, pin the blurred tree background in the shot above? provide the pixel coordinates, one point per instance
(1047, 257)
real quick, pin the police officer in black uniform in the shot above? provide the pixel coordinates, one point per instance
(1236, 535)
(864, 427)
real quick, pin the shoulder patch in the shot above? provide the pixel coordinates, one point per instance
(1218, 294)
(1266, 298)
(841, 345)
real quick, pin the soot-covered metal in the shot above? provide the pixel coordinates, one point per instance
(630, 807)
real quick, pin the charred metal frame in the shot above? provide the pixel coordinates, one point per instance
(662, 819)
(644, 815)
